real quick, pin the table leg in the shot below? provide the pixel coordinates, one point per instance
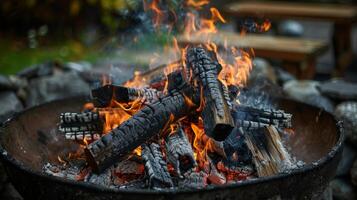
(342, 47)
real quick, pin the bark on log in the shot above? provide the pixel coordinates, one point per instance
(179, 151)
(218, 122)
(146, 123)
(102, 96)
(156, 166)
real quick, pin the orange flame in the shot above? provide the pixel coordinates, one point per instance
(197, 4)
(158, 13)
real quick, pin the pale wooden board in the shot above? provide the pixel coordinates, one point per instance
(331, 12)
(283, 48)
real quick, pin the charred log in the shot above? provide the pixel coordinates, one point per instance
(218, 122)
(252, 118)
(179, 151)
(102, 96)
(156, 166)
(81, 126)
(149, 121)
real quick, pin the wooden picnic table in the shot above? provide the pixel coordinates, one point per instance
(342, 16)
(298, 55)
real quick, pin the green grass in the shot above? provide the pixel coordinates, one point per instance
(14, 56)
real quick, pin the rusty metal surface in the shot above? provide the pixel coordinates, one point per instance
(30, 139)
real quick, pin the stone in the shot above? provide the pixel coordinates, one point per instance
(342, 190)
(9, 104)
(290, 28)
(347, 113)
(78, 66)
(11, 83)
(262, 69)
(38, 70)
(339, 89)
(346, 163)
(353, 173)
(306, 91)
(48, 88)
(283, 76)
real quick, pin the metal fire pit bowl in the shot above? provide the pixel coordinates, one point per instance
(30, 139)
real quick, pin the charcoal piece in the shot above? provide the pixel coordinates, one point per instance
(128, 167)
(194, 180)
(142, 126)
(102, 96)
(70, 173)
(81, 126)
(251, 118)
(217, 119)
(156, 166)
(235, 143)
(179, 151)
(103, 179)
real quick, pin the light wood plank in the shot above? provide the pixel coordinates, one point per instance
(331, 12)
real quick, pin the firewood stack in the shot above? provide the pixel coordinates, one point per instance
(160, 128)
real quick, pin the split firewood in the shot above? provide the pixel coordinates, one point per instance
(217, 119)
(179, 151)
(143, 125)
(269, 155)
(102, 96)
(156, 166)
(81, 126)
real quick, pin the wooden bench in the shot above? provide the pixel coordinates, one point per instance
(343, 17)
(298, 55)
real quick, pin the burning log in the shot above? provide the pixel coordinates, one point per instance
(102, 96)
(269, 155)
(155, 166)
(81, 126)
(218, 122)
(143, 125)
(179, 151)
(252, 118)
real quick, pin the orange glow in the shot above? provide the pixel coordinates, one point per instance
(197, 4)
(265, 26)
(137, 82)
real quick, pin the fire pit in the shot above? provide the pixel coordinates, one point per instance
(31, 139)
(193, 130)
